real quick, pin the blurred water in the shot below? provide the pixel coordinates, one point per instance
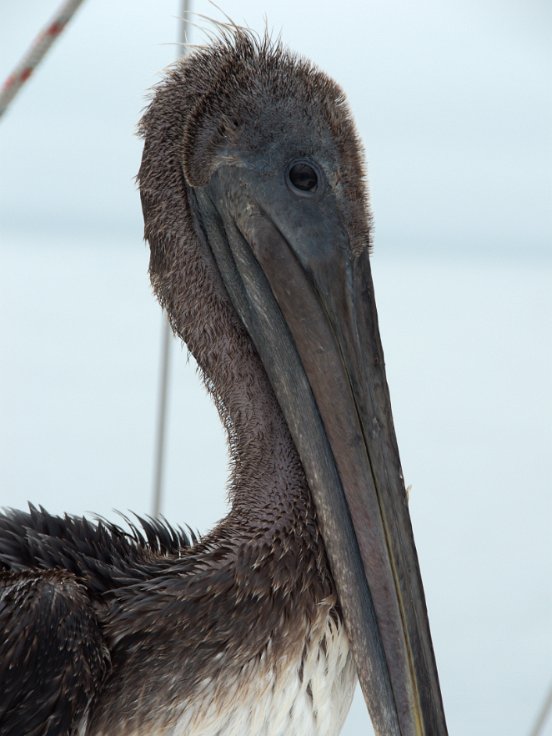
(469, 356)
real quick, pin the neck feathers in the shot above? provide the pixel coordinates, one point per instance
(266, 474)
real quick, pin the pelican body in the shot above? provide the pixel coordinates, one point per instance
(252, 188)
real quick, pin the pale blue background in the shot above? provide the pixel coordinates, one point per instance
(453, 103)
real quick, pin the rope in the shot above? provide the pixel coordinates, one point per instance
(36, 53)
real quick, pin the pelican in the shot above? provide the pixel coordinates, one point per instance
(255, 210)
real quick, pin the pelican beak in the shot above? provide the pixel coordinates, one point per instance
(308, 303)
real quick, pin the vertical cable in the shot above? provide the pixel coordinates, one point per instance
(162, 412)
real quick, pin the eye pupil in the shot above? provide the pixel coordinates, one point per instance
(303, 177)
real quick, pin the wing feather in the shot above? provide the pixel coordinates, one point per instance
(52, 654)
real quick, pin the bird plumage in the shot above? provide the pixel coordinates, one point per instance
(160, 632)
(149, 630)
(172, 621)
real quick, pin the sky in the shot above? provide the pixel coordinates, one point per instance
(452, 102)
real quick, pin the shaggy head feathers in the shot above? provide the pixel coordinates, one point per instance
(245, 94)
(235, 99)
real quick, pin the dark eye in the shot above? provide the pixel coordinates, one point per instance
(303, 177)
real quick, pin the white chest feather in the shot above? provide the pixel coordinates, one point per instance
(304, 695)
(307, 693)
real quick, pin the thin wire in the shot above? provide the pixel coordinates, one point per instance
(36, 53)
(166, 340)
(542, 714)
(159, 471)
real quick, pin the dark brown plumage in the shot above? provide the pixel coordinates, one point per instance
(261, 575)
(176, 635)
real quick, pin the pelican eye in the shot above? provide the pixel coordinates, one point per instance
(302, 178)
